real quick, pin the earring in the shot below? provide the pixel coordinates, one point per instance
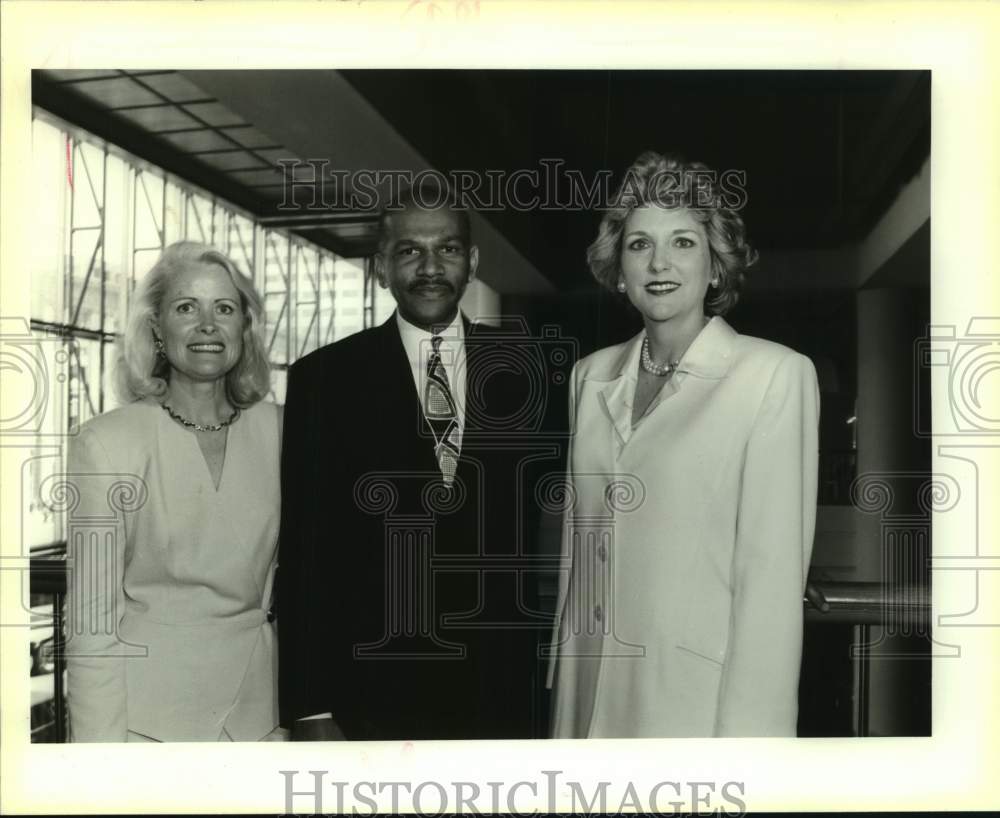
(621, 285)
(715, 283)
(161, 351)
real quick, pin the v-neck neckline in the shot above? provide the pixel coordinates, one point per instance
(225, 459)
(193, 438)
(666, 389)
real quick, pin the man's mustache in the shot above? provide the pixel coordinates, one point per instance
(436, 283)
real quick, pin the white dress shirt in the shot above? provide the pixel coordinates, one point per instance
(417, 343)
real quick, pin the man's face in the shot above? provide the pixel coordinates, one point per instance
(426, 262)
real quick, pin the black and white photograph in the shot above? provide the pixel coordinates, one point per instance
(414, 416)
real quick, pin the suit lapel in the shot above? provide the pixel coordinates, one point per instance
(614, 398)
(617, 393)
(386, 414)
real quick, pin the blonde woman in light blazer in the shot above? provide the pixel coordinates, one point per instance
(173, 521)
(693, 468)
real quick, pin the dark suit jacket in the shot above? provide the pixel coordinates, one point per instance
(399, 607)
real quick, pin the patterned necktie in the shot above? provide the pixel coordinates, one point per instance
(439, 409)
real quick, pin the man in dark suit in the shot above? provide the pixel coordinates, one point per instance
(403, 606)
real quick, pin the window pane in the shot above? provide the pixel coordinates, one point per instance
(384, 305)
(276, 296)
(117, 258)
(85, 380)
(86, 237)
(173, 218)
(279, 379)
(49, 190)
(110, 217)
(349, 299)
(307, 299)
(42, 522)
(148, 210)
(240, 243)
(197, 218)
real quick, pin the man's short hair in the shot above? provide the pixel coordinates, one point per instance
(429, 194)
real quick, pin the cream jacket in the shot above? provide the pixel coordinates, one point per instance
(170, 579)
(686, 543)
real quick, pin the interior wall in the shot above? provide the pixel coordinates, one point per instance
(481, 303)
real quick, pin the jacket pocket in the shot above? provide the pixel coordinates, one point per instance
(705, 630)
(701, 654)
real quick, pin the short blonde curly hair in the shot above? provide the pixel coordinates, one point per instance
(668, 181)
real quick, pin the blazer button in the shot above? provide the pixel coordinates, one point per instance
(598, 613)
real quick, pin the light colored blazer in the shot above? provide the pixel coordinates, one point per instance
(686, 543)
(170, 580)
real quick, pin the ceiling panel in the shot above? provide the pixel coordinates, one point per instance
(159, 118)
(231, 160)
(76, 74)
(256, 178)
(203, 140)
(214, 113)
(250, 137)
(172, 86)
(275, 154)
(117, 92)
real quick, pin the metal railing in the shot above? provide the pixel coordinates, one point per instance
(867, 603)
(898, 610)
(48, 578)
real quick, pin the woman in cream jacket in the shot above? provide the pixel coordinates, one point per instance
(692, 498)
(173, 521)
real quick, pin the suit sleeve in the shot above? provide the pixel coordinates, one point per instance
(305, 685)
(95, 599)
(775, 526)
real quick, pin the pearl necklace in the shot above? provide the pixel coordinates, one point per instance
(218, 427)
(660, 370)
